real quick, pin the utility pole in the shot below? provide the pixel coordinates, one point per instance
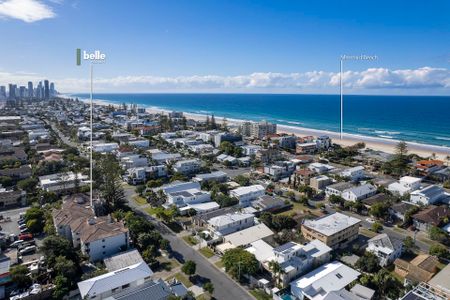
(92, 117)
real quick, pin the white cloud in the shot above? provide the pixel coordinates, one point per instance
(26, 10)
(373, 80)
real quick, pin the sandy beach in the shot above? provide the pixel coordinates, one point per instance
(375, 143)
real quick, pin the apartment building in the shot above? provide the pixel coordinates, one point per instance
(247, 194)
(335, 230)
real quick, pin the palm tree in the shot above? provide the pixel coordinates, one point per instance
(276, 269)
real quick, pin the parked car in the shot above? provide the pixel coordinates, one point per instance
(27, 250)
(16, 244)
(24, 230)
(25, 236)
(22, 226)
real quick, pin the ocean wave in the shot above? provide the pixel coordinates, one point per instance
(387, 132)
(385, 136)
(442, 138)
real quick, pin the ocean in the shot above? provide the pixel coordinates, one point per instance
(420, 119)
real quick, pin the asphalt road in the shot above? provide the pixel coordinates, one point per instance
(224, 287)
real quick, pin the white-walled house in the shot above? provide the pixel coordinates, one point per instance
(187, 166)
(428, 195)
(62, 182)
(105, 147)
(355, 173)
(405, 185)
(229, 223)
(328, 278)
(385, 248)
(247, 194)
(189, 196)
(359, 193)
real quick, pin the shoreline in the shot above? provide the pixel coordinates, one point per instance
(375, 143)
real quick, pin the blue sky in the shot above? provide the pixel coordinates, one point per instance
(230, 46)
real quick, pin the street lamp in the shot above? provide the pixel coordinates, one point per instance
(341, 81)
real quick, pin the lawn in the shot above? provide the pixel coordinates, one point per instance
(260, 295)
(181, 278)
(140, 200)
(206, 251)
(367, 232)
(168, 264)
(151, 210)
(190, 240)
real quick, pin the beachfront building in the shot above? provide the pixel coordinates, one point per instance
(405, 185)
(257, 130)
(335, 230)
(323, 142)
(247, 194)
(317, 284)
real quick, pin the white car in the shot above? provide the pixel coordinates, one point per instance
(16, 244)
(370, 220)
(27, 250)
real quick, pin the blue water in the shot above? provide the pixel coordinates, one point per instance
(422, 119)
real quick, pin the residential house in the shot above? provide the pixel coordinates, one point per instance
(297, 259)
(105, 147)
(354, 174)
(188, 166)
(231, 222)
(317, 284)
(431, 216)
(428, 167)
(127, 272)
(320, 168)
(187, 197)
(399, 210)
(62, 182)
(323, 142)
(359, 193)
(245, 237)
(216, 176)
(385, 248)
(21, 172)
(247, 194)
(405, 185)
(269, 203)
(421, 269)
(306, 148)
(431, 194)
(335, 230)
(338, 189)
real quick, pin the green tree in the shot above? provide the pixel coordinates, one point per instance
(19, 275)
(28, 184)
(238, 262)
(408, 244)
(54, 246)
(376, 227)
(209, 287)
(439, 251)
(109, 182)
(368, 262)
(437, 234)
(62, 287)
(65, 267)
(379, 210)
(242, 180)
(189, 268)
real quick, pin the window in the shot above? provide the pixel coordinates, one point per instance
(338, 275)
(125, 286)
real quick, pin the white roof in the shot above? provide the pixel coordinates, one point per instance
(204, 206)
(249, 235)
(247, 189)
(261, 250)
(317, 284)
(106, 282)
(228, 218)
(410, 179)
(331, 224)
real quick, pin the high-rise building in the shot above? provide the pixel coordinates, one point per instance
(39, 91)
(30, 89)
(46, 90)
(258, 130)
(52, 89)
(3, 92)
(12, 91)
(22, 91)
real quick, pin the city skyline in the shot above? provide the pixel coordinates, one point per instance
(232, 47)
